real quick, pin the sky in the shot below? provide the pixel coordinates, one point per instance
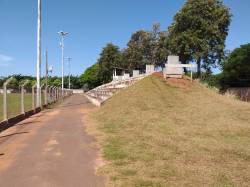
(91, 24)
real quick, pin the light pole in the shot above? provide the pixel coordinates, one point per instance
(38, 61)
(69, 59)
(62, 34)
(47, 68)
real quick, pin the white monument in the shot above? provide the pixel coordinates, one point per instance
(171, 69)
(175, 69)
(150, 69)
(136, 73)
(125, 76)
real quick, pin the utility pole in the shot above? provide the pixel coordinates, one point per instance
(47, 68)
(38, 62)
(62, 34)
(46, 78)
(69, 59)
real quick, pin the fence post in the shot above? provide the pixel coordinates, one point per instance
(52, 94)
(22, 99)
(5, 109)
(41, 92)
(48, 95)
(45, 96)
(22, 96)
(56, 94)
(50, 100)
(5, 115)
(33, 98)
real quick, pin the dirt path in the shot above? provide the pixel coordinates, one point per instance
(50, 149)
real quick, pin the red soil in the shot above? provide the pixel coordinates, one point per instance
(185, 82)
(158, 74)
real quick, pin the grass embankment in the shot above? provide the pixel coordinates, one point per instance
(160, 135)
(14, 104)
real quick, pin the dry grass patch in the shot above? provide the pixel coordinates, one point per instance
(158, 135)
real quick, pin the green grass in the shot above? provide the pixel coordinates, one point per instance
(14, 104)
(159, 135)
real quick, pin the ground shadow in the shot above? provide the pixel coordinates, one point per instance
(26, 123)
(13, 134)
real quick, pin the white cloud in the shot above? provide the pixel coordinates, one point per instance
(5, 60)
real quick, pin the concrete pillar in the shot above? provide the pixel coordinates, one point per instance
(22, 100)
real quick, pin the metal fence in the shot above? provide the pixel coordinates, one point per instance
(241, 93)
(21, 100)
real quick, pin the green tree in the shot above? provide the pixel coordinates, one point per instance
(57, 82)
(138, 52)
(162, 49)
(75, 82)
(90, 77)
(110, 57)
(236, 68)
(199, 31)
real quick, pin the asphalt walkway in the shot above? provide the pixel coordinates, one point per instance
(50, 149)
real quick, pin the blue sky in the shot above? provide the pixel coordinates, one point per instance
(92, 24)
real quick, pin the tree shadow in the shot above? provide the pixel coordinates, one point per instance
(18, 133)
(26, 123)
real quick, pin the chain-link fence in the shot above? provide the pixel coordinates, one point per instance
(21, 100)
(13, 103)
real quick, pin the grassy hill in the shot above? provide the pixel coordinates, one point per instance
(161, 135)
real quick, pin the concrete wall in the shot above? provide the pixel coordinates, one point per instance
(8, 91)
(78, 91)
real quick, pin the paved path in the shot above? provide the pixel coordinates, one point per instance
(50, 149)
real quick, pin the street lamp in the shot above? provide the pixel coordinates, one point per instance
(62, 34)
(38, 61)
(69, 59)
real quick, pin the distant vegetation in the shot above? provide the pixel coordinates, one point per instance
(76, 83)
(235, 70)
(197, 34)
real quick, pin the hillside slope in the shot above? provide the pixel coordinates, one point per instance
(161, 135)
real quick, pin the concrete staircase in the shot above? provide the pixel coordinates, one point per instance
(100, 94)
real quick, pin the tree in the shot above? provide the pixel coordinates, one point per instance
(236, 68)
(162, 49)
(57, 82)
(199, 32)
(138, 52)
(90, 77)
(2, 80)
(75, 82)
(110, 58)
(154, 41)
